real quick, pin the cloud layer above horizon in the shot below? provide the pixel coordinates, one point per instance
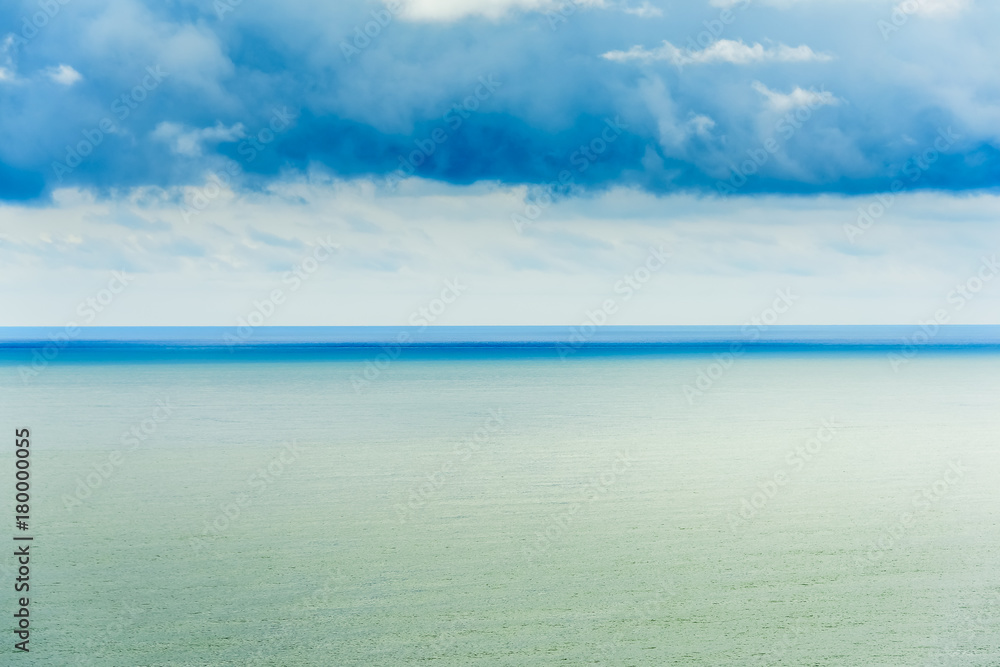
(728, 96)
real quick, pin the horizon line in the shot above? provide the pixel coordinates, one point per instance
(576, 337)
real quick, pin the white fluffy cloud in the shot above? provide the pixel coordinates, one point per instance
(63, 74)
(722, 51)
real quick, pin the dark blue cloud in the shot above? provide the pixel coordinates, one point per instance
(280, 80)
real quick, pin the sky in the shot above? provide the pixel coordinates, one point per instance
(472, 162)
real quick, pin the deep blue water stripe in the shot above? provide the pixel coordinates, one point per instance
(574, 338)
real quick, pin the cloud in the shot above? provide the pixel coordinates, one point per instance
(63, 74)
(645, 10)
(796, 99)
(675, 135)
(939, 8)
(364, 116)
(272, 239)
(190, 142)
(778, 4)
(452, 10)
(730, 255)
(7, 69)
(721, 51)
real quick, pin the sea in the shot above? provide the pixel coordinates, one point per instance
(505, 496)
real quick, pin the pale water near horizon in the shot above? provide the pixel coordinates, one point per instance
(792, 509)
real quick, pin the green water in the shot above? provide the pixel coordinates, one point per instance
(595, 521)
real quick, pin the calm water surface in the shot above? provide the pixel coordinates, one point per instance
(792, 509)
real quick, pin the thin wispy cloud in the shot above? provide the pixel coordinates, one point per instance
(446, 11)
(743, 4)
(645, 10)
(796, 99)
(190, 142)
(721, 51)
(7, 70)
(729, 252)
(453, 10)
(933, 8)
